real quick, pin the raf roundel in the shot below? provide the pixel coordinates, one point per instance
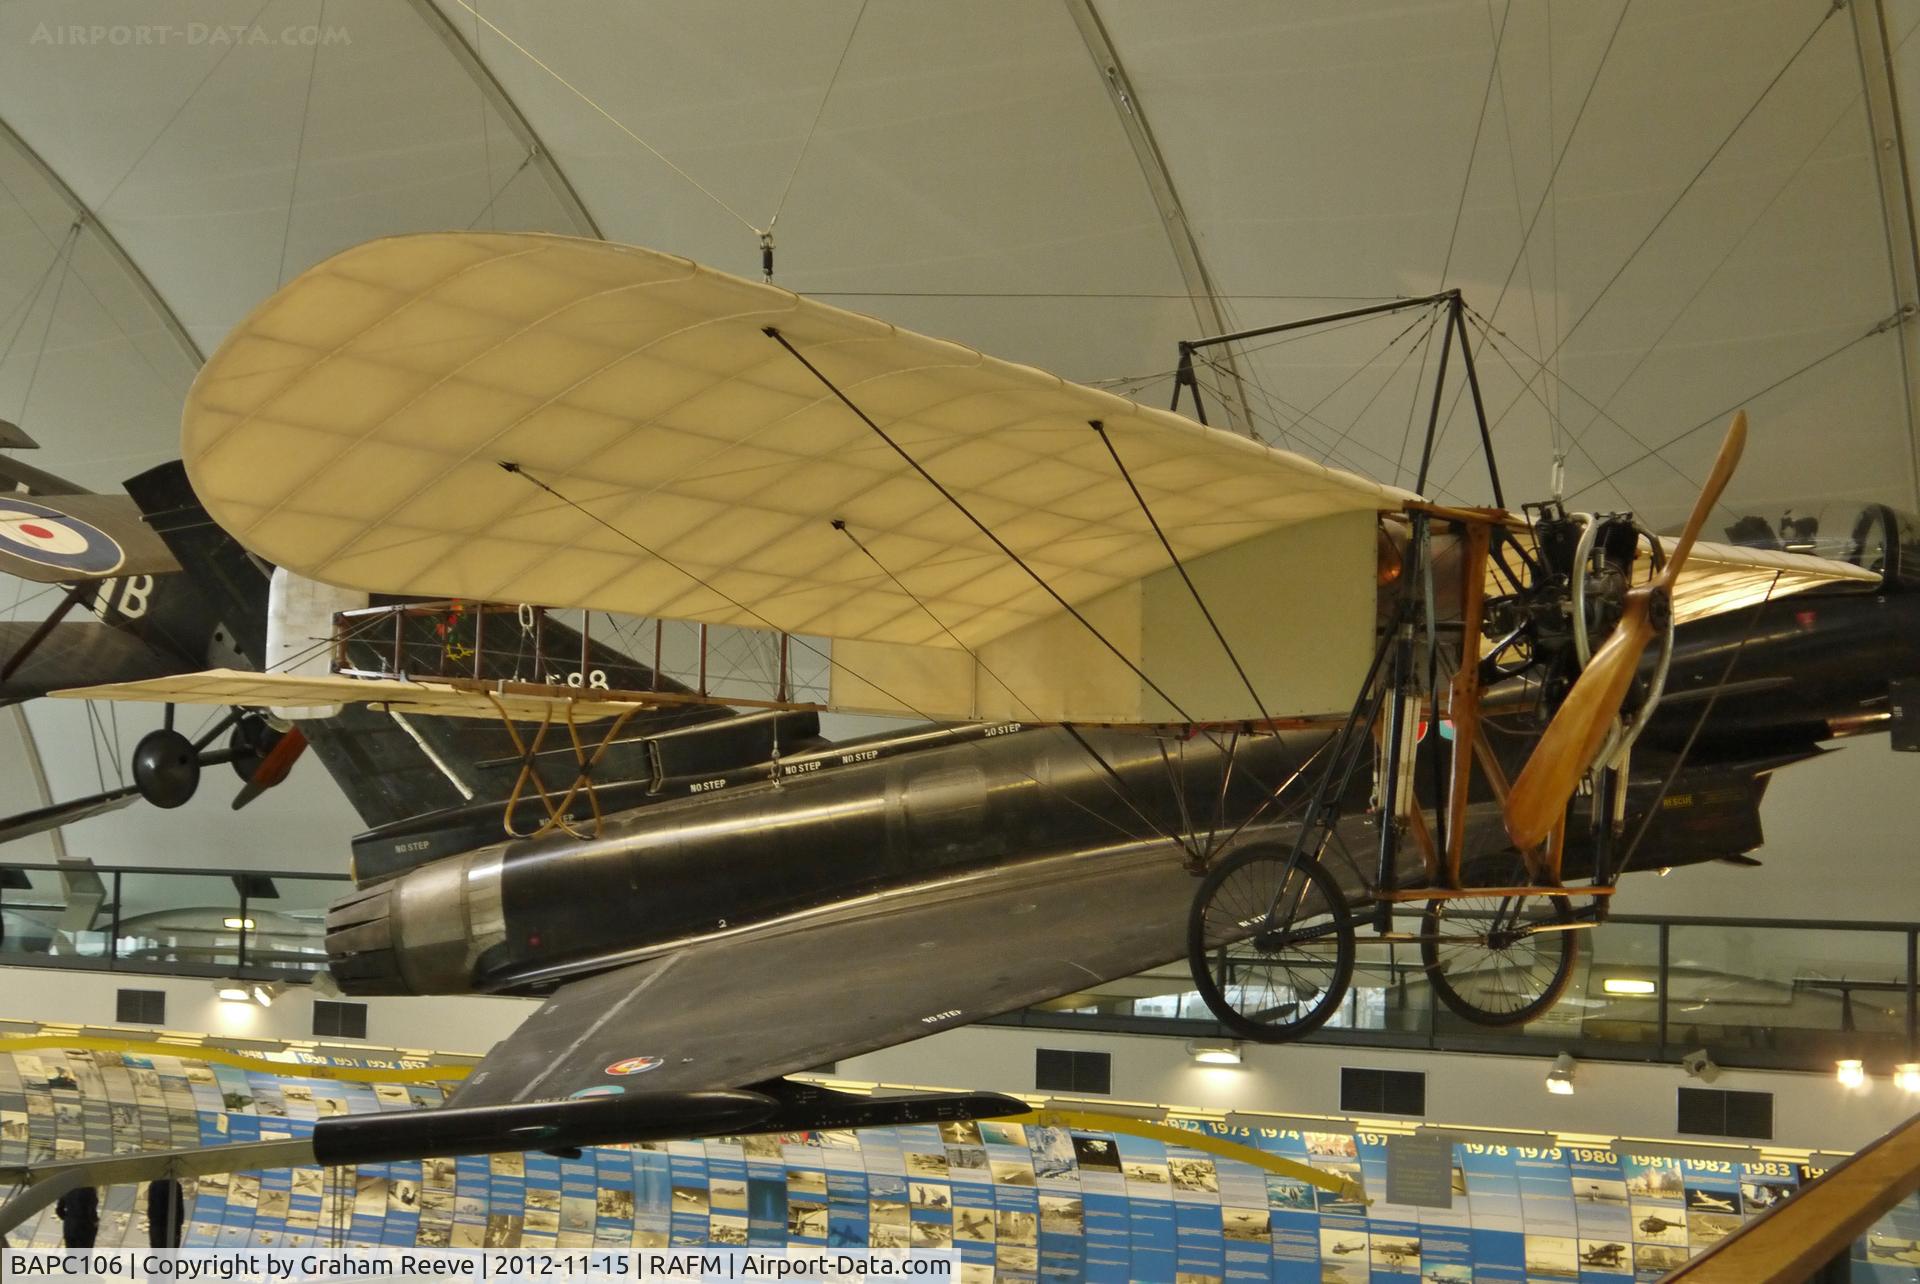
(634, 1065)
(48, 537)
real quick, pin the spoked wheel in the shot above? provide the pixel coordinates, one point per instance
(1271, 944)
(1488, 960)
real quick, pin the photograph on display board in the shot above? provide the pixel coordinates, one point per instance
(1248, 1224)
(543, 1221)
(1710, 1228)
(974, 1224)
(813, 1181)
(1600, 1190)
(1658, 1259)
(435, 1237)
(1011, 1172)
(1892, 1250)
(1145, 1172)
(1017, 1257)
(1759, 1196)
(1344, 1257)
(924, 1163)
(889, 1235)
(1396, 1254)
(1013, 1226)
(1053, 1152)
(1552, 1257)
(1194, 1174)
(510, 1163)
(728, 1231)
(1658, 1224)
(686, 1199)
(720, 1194)
(927, 1194)
(995, 1133)
(1330, 1145)
(1096, 1154)
(1062, 1215)
(1606, 1255)
(960, 1133)
(969, 1159)
(928, 1234)
(503, 1231)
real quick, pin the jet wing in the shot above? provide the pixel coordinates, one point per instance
(809, 992)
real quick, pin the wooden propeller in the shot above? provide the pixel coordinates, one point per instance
(1538, 799)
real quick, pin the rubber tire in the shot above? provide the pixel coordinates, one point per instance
(1464, 1007)
(1199, 953)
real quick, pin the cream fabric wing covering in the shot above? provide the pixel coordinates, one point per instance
(352, 429)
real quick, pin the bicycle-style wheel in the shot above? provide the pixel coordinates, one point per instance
(1271, 944)
(1499, 960)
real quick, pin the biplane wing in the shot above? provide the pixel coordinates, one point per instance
(267, 690)
(914, 959)
(529, 418)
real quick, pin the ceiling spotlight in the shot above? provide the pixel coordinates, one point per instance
(1214, 1054)
(234, 923)
(233, 993)
(1699, 1065)
(1560, 1078)
(1851, 1073)
(265, 994)
(1628, 985)
(1906, 1076)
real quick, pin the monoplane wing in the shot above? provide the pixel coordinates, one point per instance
(814, 990)
(1726, 577)
(688, 444)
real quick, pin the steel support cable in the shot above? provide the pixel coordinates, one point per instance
(1341, 436)
(26, 306)
(1391, 344)
(1719, 416)
(1600, 411)
(1486, 335)
(300, 148)
(1259, 705)
(1698, 174)
(1553, 175)
(1297, 336)
(668, 562)
(53, 314)
(774, 334)
(818, 112)
(1660, 222)
(1115, 782)
(1466, 183)
(606, 115)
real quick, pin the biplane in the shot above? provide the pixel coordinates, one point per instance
(1167, 679)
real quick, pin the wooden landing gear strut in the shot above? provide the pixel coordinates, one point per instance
(583, 783)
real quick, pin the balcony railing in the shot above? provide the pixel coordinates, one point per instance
(225, 923)
(1763, 993)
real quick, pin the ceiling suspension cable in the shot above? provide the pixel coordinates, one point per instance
(606, 115)
(25, 310)
(1686, 188)
(766, 235)
(53, 314)
(1888, 325)
(1473, 150)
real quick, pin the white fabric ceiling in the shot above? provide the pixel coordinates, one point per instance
(1710, 215)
